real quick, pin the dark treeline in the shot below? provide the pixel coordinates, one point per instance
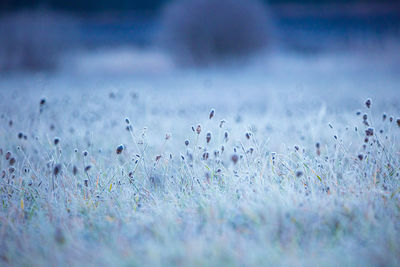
(135, 5)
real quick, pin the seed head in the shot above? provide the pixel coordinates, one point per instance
(20, 135)
(198, 129)
(12, 161)
(391, 119)
(57, 169)
(85, 153)
(127, 121)
(221, 123)
(235, 158)
(186, 142)
(74, 170)
(384, 116)
(248, 135)
(398, 122)
(119, 149)
(167, 136)
(56, 140)
(368, 103)
(8, 155)
(211, 114)
(369, 132)
(87, 168)
(360, 157)
(208, 137)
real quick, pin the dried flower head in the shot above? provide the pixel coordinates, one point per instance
(208, 137)
(211, 114)
(57, 169)
(368, 103)
(369, 132)
(186, 142)
(75, 170)
(198, 129)
(119, 149)
(56, 140)
(234, 158)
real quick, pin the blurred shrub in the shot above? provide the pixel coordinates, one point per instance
(204, 32)
(33, 40)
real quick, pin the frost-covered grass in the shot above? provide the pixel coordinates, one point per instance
(293, 183)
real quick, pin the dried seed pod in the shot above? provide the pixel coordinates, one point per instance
(186, 142)
(211, 114)
(368, 103)
(360, 156)
(56, 140)
(12, 161)
(75, 170)
(248, 135)
(369, 132)
(234, 158)
(87, 168)
(206, 155)
(198, 129)
(85, 153)
(208, 137)
(8, 155)
(57, 169)
(119, 149)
